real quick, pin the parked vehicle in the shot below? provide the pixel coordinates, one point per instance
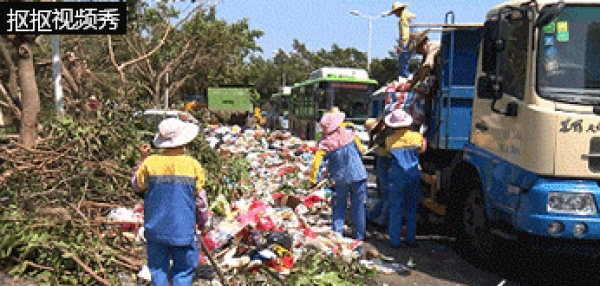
(234, 99)
(346, 88)
(514, 148)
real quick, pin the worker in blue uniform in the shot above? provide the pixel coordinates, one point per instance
(404, 146)
(341, 156)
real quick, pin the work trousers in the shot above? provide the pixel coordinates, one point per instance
(358, 200)
(403, 59)
(185, 260)
(381, 211)
(405, 190)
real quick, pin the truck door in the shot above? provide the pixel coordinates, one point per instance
(497, 123)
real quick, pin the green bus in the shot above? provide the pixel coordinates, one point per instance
(349, 89)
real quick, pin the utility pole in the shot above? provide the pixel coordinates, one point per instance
(59, 101)
(57, 77)
(370, 18)
(283, 79)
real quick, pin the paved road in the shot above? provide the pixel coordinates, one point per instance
(437, 263)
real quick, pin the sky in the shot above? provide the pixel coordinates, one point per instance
(321, 23)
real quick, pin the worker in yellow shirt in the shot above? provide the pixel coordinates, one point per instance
(404, 18)
(404, 146)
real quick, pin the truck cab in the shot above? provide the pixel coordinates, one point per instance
(528, 166)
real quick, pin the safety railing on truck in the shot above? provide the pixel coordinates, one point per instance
(450, 115)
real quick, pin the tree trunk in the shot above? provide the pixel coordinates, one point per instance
(29, 93)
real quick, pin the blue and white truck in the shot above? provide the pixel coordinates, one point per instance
(514, 130)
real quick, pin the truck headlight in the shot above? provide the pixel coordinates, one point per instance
(574, 203)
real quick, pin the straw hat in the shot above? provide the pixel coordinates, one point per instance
(370, 124)
(397, 6)
(398, 118)
(173, 132)
(334, 109)
(417, 39)
(331, 122)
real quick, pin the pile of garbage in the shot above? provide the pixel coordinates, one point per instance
(276, 222)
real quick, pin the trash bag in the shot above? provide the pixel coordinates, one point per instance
(281, 238)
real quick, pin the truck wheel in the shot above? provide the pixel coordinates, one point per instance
(476, 225)
(470, 225)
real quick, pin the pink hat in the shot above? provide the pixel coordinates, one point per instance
(398, 118)
(331, 121)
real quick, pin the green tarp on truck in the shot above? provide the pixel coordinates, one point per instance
(231, 98)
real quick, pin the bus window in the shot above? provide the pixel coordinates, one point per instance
(321, 98)
(353, 98)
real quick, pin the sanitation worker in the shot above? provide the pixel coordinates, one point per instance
(340, 154)
(404, 147)
(404, 18)
(169, 182)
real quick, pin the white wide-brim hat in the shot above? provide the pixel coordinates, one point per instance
(398, 118)
(172, 132)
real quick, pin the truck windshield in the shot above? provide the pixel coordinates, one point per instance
(569, 57)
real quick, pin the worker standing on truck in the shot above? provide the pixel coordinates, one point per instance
(405, 16)
(404, 147)
(425, 81)
(347, 172)
(427, 76)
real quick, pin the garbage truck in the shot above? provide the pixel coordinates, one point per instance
(514, 129)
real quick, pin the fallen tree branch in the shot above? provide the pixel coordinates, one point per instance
(85, 267)
(29, 263)
(121, 263)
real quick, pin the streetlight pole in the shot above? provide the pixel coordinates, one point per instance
(370, 18)
(57, 77)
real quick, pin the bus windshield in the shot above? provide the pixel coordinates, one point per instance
(351, 98)
(348, 89)
(569, 57)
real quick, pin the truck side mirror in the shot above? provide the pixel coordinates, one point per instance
(489, 53)
(499, 45)
(503, 33)
(495, 33)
